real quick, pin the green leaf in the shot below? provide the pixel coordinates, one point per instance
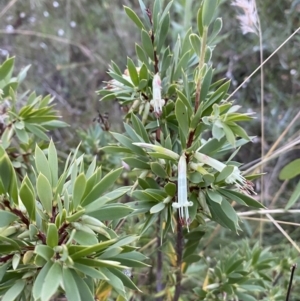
(182, 65)
(216, 29)
(199, 20)
(245, 297)
(186, 101)
(6, 70)
(71, 289)
(51, 282)
(214, 196)
(89, 271)
(216, 97)
(14, 291)
(37, 130)
(206, 84)
(157, 208)
(78, 190)
(23, 73)
(125, 279)
(218, 215)
(6, 218)
(147, 44)
(41, 164)
(239, 131)
(39, 280)
(84, 291)
(3, 269)
(102, 186)
(294, 197)
(142, 56)
(53, 163)
(145, 15)
(225, 173)
(44, 251)
(128, 143)
(156, 14)
(163, 32)
(137, 163)
(44, 192)
(16, 260)
(132, 72)
(208, 10)
(133, 16)
(6, 137)
(217, 131)
(84, 238)
(22, 135)
(115, 282)
(240, 198)
(182, 117)
(52, 235)
(196, 43)
(5, 171)
(109, 197)
(290, 171)
(170, 189)
(28, 199)
(139, 127)
(158, 170)
(111, 212)
(229, 134)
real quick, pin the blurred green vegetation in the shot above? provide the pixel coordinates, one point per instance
(71, 43)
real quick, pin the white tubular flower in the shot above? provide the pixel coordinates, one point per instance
(234, 178)
(157, 102)
(182, 203)
(158, 149)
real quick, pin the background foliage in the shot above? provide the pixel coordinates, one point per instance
(70, 44)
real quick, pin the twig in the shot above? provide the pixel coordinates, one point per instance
(179, 250)
(291, 281)
(268, 211)
(159, 271)
(267, 220)
(7, 7)
(283, 232)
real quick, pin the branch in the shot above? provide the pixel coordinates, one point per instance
(179, 251)
(291, 281)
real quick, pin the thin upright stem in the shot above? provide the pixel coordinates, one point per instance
(262, 112)
(179, 251)
(290, 283)
(159, 286)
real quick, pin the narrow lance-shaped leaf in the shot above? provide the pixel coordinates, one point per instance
(14, 291)
(41, 164)
(52, 235)
(78, 190)
(6, 218)
(28, 199)
(44, 192)
(102, 186)
(51, 282)
(133, 16)
(53, 163)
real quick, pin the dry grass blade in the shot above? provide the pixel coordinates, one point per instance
(276, 224)
(267, 220)
(7, 7)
